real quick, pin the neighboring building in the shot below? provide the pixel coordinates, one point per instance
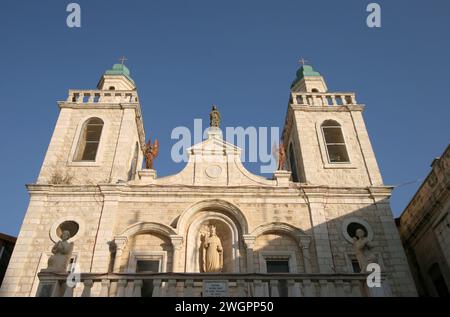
(125, 219)
(6, 248)
(424, 229)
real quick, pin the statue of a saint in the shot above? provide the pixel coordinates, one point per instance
(214, 117)
(213, 252)
(150, 152)
(281, 157)
(61, 254)
(362, 247)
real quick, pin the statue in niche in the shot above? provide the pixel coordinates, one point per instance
(214, 117)
(362, 247)
(150, 152)
(62, 251)
(212, 252)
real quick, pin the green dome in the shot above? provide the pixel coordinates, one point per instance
(119, 69)
(305, 71)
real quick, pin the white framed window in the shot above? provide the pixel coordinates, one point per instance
(146, 261)
(334, 142)
(89, 140)
(277, 262)
(274, 262)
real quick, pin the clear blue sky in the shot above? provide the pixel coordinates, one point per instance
(241, 55)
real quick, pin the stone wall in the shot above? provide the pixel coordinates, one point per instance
(425, 230)
(362, 169)
(105, 212)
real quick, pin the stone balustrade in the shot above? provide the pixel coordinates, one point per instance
(322, 99)
(102, 96)
(191, 285)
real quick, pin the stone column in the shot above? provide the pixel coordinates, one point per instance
(320, 232)
(101, 255)
(304, 242)
(120, 244)
(177, 244)
(249, 241)
(333, 100)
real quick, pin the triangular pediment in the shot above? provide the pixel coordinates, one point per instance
(214, 162)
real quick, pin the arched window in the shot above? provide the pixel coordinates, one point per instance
(133, 168)
(314, 90)
(293, 164)
(89, 140)
(334, 142)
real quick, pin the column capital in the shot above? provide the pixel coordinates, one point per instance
(177, 241)
(120, 242)
(304, 241)
(249, 240)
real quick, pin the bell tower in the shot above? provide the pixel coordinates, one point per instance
(99, 134)
(325, 135)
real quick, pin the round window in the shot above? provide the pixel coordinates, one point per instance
(70, 226)
(353, 226)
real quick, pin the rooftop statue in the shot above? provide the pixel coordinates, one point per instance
(214, 117)
(150, 152)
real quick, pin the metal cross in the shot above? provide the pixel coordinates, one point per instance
(123, 59)
(303, 61)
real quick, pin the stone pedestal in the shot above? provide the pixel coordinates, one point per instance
(282, 178)
(214, 132)
(147, 175)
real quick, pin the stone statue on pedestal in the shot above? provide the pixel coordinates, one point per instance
(214, 117)
(362, 247)
(62, 250)
(150, 152)
(213, 252)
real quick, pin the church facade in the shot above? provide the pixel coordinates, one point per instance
(310, 230)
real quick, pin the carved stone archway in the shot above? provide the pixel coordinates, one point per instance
(142, 227)
(213, 204)
(229, 236)
(231, 223)
(303, 240)
(280, 227)
(120, 241)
